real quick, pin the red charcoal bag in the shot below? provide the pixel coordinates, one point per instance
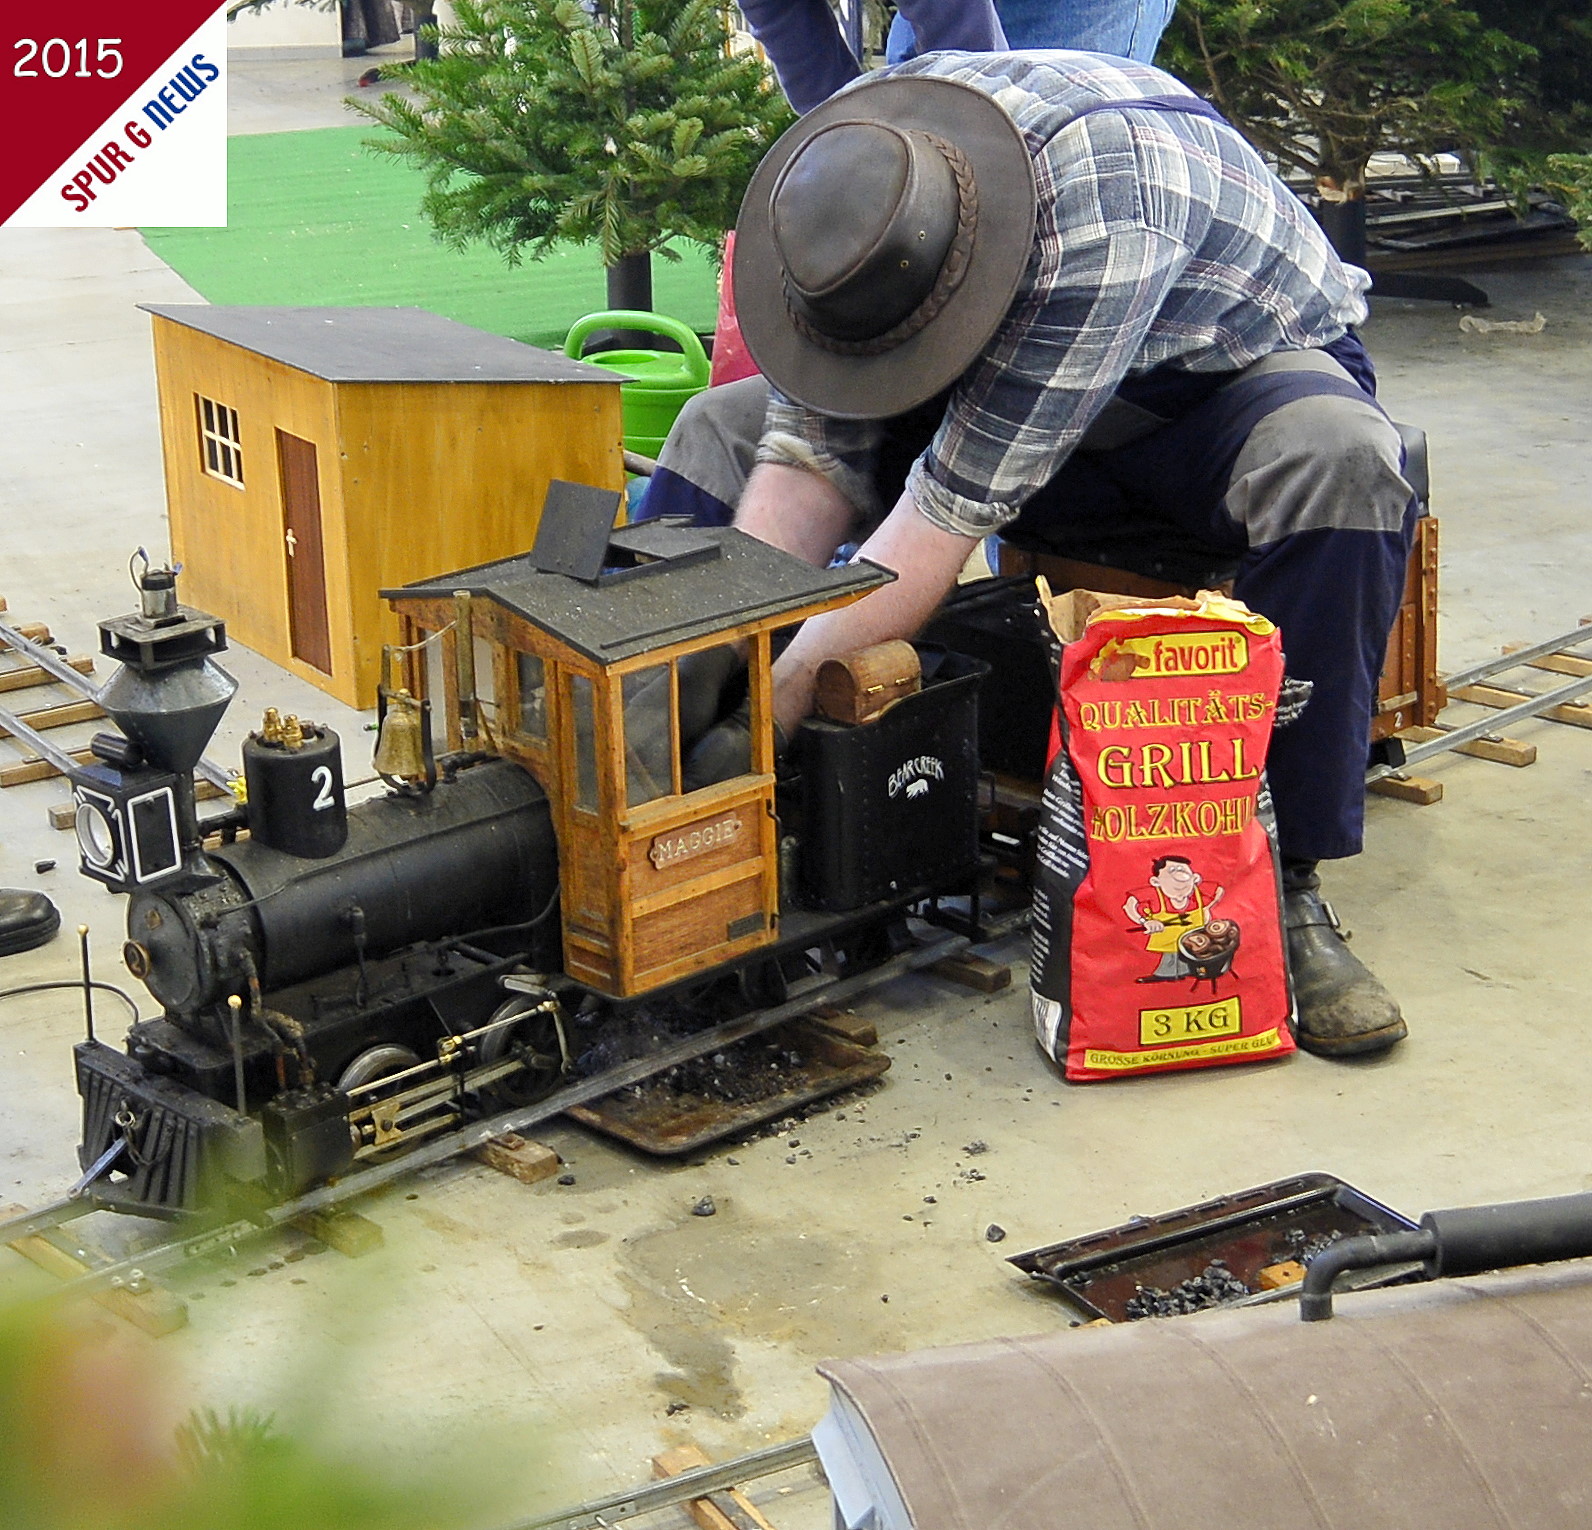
(1157, 927)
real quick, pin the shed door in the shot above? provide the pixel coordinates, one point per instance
(306, 567)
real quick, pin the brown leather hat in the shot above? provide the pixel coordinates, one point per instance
(880, 243)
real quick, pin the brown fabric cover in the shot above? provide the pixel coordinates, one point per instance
(1461, 1404)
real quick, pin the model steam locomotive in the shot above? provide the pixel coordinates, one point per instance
(337, 982)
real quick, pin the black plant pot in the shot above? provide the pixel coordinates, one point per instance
(1344, 225)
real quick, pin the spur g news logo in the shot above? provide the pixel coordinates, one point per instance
(118, 112)
(914, 776)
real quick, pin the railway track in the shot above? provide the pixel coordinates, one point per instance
(1570, 653)
(208, 1239)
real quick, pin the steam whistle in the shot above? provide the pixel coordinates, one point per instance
(137, 821)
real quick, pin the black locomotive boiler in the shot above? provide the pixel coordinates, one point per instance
(337, 982)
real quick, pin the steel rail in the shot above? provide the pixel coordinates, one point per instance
(131, 1271)
(1484, 726)
(50, 661)
(699, 1482)
(1571, 639)
(46, 658)
(37, 742)
(56, 1214)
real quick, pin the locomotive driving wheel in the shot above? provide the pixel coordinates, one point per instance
(529, 1031)
(375, 1064)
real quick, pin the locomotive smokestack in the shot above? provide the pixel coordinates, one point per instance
(137, 821)
(169, 695)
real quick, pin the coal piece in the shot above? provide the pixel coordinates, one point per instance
(1213, 1286)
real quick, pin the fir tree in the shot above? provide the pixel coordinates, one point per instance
(1322, 85)
(1552, 147)
(541, 124)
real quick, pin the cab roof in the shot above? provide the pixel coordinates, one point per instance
(661, 583)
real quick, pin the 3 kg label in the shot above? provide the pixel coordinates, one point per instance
(1188, 1022)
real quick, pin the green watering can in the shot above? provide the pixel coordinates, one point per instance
(661, 381)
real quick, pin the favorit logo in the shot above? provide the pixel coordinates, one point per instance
(913, 776)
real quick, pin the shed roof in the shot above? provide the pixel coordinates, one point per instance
(380, 345)
(704, 580)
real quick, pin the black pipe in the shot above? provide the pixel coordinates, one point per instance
(1463, 1241)
(1315, 1298)
(1475, 1238)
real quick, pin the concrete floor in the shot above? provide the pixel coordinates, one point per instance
(535, 1338)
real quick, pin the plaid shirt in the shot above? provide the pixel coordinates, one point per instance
(1162, 240)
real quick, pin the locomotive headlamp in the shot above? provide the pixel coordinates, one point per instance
(128, 831)
(97, 839)
(135, 818)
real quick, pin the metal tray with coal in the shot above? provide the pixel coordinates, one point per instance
(1251, 1246)
(756, 1080)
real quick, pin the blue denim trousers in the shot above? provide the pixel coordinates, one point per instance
(1123, 28)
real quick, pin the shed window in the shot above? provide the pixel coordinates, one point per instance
(220, 441)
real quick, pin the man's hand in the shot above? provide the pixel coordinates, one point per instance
(927, 561)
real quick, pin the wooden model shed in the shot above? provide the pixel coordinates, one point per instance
(315, 455)
(577, 680)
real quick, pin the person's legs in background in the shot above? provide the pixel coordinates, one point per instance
(707, 457)
(1123, 28)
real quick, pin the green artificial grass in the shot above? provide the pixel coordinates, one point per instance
(316, 219)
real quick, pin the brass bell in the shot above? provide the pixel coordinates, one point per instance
(400, 748)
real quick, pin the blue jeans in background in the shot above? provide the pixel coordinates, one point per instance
(1123, 28)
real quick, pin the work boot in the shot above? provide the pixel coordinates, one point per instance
(1344, 1011)
(27, 919)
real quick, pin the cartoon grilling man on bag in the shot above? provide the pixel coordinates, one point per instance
(1177, 909)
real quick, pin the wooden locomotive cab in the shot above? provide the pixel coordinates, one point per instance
(576, 649)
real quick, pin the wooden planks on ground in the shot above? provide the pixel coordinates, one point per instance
(1562, 664)
(1500, 750)
(62, 716)
(1421, 790)
(346, 1231)
(729, 1509)
(976, 972)
(26, 675)
(39, 770)
(34, 632)
(57, 714)
(511, 1154)
(151, 1308)
(846, 1025)
(1577, 713)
